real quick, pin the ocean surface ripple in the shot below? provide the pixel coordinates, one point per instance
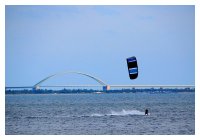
(100, 114)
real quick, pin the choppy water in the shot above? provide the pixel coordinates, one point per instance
(171, 113)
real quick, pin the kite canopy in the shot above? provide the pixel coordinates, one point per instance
(132, 67)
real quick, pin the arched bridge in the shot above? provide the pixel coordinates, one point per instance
(103, 84)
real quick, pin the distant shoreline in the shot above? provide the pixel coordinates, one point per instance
(75, 91)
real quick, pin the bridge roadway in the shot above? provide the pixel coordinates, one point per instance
(112, 86)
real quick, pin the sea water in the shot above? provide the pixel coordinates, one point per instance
(100, 114)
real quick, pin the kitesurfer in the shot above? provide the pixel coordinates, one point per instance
(146, 112)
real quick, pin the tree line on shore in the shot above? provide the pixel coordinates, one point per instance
(65, 91)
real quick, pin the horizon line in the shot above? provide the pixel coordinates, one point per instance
(102, 86)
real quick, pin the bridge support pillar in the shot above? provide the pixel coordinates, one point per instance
(36, 88)
(105, 88)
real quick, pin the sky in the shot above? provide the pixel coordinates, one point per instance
(44, 40)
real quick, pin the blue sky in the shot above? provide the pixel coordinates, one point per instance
(43, 40)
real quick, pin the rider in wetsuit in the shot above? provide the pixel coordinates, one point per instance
(146, 111)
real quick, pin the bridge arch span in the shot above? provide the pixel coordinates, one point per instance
(37, 85)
